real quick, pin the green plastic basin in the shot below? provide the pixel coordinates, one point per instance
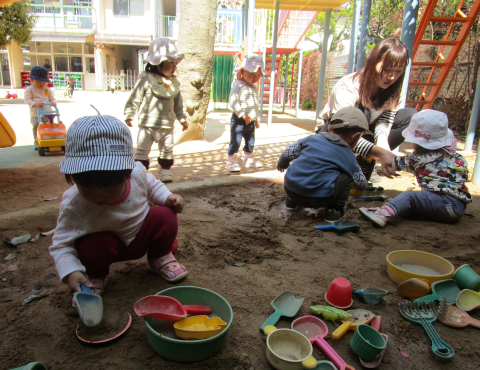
(161, 334)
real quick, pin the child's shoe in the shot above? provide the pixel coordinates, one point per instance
(290, 204)
(335, 214)
(249, 161)
(96, 288)
(168, 267)
(232, 164)
(165, 176)
(376, 215)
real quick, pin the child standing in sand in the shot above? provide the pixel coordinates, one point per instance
(157, 98)
(440, 172)
(36, 95)
(246, 115)
(105, 217)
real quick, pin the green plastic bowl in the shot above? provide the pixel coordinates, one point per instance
(161, 334)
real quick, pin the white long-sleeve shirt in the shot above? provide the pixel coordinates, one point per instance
(244, 100)
(38, 95)
(79, 217)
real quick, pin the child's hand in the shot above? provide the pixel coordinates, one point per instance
(185, 125)
(257, 124)
(280, 168)
(38, 105)
(129, 122)
(54, 104)
(247, 118)
(75, 279)
(175, 202)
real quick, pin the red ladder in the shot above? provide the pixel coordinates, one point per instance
(267, 81)
(435, 85)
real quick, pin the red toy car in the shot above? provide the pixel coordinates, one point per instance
(8, 96)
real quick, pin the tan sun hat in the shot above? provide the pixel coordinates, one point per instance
(161, 50)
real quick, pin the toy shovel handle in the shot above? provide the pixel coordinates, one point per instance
(324, 227)
(472, 322)
(332, 355)
(85, 288)
(272, 320)
(439, 347)
(428, 298)
(342, 329)
(195, 309)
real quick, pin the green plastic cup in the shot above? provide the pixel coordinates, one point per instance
(367, 343)
(466, 278)
(32, 366)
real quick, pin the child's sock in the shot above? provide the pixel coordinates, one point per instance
(246, 156)
(388, 211)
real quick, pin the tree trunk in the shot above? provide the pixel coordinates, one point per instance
(196, 40)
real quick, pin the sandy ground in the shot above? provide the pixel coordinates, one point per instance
(220, 227)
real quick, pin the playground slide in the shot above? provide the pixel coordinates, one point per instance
(7, 135)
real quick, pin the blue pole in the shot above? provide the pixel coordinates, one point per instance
(274, 63)
(409, 26)
(285, 87)
(251, 26)
(299, 82)
(353, 39)
(472, 125)
(363, 34)
(323, 67)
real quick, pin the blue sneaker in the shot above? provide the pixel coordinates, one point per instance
(35, 145)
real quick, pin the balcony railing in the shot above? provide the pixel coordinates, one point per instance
(64, 19)
(229, 28)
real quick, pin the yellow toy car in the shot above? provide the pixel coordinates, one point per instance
(50, 136)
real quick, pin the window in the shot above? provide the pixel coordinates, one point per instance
(127, 8)
(88, 49)
(90, 64)
(74, 48)
(76, 64)
(27, 63)
(61, 63)
(44, 47)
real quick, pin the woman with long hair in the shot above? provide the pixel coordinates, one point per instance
(376, 90)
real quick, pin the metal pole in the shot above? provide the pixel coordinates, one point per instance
(472, 125)
(363, 34)
(323, 67)
(353, 39)
(409, 26)
(263, 80)
(251, 26)
(244, 19)
(274, 62)
(285, 89)
(476, 171)
(299, 81)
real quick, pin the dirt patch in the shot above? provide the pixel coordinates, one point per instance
(241, 243)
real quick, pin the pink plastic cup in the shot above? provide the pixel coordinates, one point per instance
(339, 294)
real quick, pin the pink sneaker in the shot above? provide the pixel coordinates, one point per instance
(375, 215)
(96, 288)
(168, 267)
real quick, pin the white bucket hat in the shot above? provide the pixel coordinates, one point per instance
(97, 143)
(252, 63)
(429, 129)
(161, 50)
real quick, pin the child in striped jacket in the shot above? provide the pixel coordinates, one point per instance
(246, 116)
(105, 217)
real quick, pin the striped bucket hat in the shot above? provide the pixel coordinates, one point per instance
(97, 143)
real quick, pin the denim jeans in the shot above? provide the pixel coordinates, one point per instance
(428, 205)
(239, 129)
(337, 200)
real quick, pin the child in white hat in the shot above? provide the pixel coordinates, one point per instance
(440, 172)
(157, 99)
(246, 114)
(105, 217)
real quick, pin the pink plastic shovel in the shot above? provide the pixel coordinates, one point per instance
(167, 308)
(315, 330)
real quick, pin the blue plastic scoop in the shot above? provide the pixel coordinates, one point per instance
(89, 306)
(340, 226)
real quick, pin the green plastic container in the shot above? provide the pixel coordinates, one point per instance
(161, 334)
(32, 366)
(367, 343)
(466, 278)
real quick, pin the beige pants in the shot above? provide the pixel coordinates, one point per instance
(147, 136)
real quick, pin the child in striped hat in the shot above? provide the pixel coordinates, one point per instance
(105, 217)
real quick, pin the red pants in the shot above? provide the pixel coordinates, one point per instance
(98, 251)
